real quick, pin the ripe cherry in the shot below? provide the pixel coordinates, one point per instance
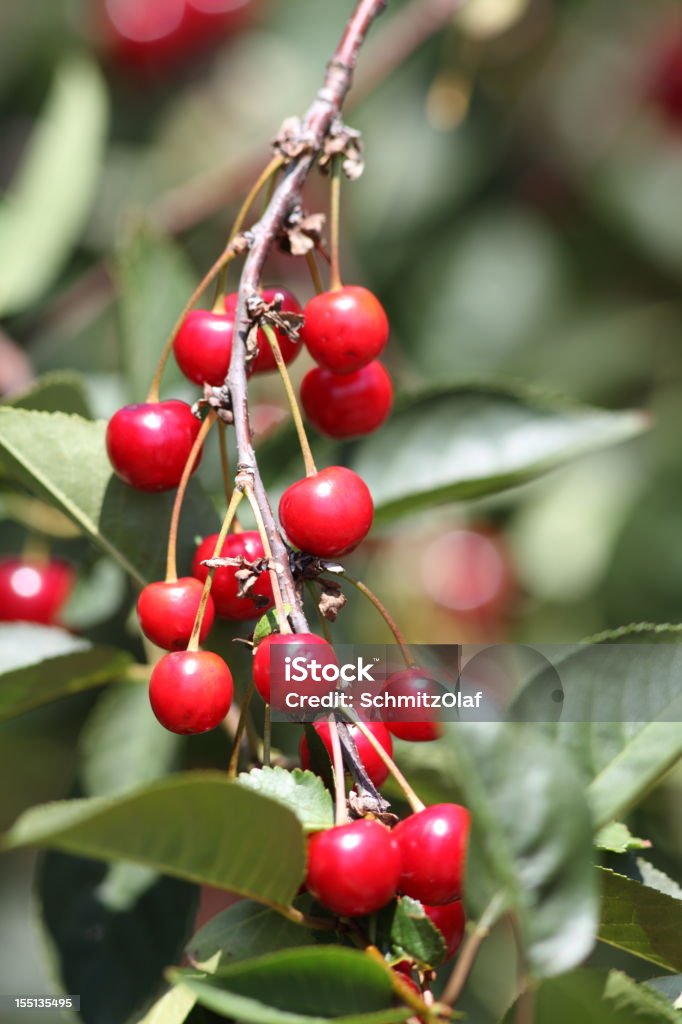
(225, 586)
(190, 691)
(148, 444)
(345, 329)
(665, 85)
(265, 361)
(450, 920)
(433, 846)
(33, 591)
(417, 726)
(353, 869)
(269, 672)
(327, 514)
(203, 346)
(374, 766)
(350, 405)
(167, 610)
(469, 571)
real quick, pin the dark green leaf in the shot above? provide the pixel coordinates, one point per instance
(61, 391)
(302, 791)
(411, 932)
(196, 826)
(31, 676)
(641, 920)
(63, 459)
(617, 838)
(466, 441)
(243, 931)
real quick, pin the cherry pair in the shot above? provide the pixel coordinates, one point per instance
(32, 590)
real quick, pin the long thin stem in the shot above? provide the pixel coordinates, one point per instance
(315, 275)
(225, 257)
(401, 988)
(267, 736)
(308, 460)
(408, 657)
(171, 552)
(274, 567)
(225, 469)
(237, 496)
(341, 814)
(413, 800)
(241, 726)
(470, 949)
(335, 222)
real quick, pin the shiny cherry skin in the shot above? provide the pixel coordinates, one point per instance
(433, 846)
(265, 361)
(149, 443)
(33, 591)
(269, 673)
(167, 610)
(350, 405)
(225, 586)
(345, 329)
(374, 766)
(450, 920)
(190, 691)
(203, 346)
(327, 514)
(422, 725)
(353, 869)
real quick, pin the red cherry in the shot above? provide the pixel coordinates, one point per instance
(265, 361)
(167, 610)
(149, 443)
(469, 571)
(225, 586)
(270, 679)
(665, 85)
(401, 721)
(450, 920)
(433, 847)
(327, 514)
(32, 591)
(353, 869)
(345, 329)
(374, 766)
(190, 691)
(203, 346)
(347, 406)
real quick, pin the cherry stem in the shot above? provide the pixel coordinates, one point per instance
(469, 950)
(334, 223)
(315, 275)
(267, 736)
(310, 467)
(225, 466)
(225, 257)
(413, 800)
(401, 988)
(242, 214)
(320, 924)
(409, 658)
(237, 496)
(241, 726)
(171, 556)
(274, 567)
(341, 815)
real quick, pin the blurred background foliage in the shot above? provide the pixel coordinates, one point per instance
(520, 217)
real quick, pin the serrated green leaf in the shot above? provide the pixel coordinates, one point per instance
(302, 791)
(617, 838)
(641, 920)
(300, 986)
(268, 624)
(669, 986)
(50, 197)
(196, 826)
(643, 1005)
(465, 441)
(60, 391)
(656, 879)
(29, 680)
(411, 932)
(62, 459)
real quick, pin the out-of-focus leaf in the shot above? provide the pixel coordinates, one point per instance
(302, 791)
(49, 199)
(641, 920)
(61, 391)
(98, 595)
(63, 460)
(617, 838)
(173, 1007)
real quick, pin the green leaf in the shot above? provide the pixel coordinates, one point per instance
(196, 826)
(617, 838)
(48, 202)
(466, 441)
(29, 678)
(641, 920)
(669, 986)
(174, 1007)
(61, 391)
(531, 843)
(302, 791)
(642, 1005)
(63, 460)
(299, 985)
(154, 281)
(245, 930)
(411, 932)
(267, 624)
